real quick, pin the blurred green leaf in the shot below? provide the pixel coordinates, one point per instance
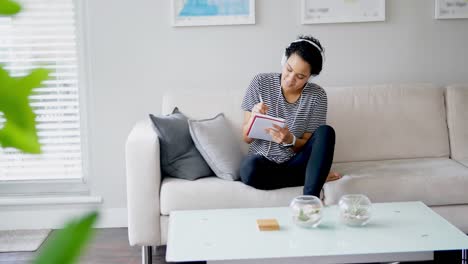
(64, 246)
(19, 130)
(9, 7)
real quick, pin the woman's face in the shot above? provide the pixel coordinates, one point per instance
(295, 73)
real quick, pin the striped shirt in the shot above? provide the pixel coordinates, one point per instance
(303, 116)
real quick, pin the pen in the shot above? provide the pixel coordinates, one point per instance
(260, 97)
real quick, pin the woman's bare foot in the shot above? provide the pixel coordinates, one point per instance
(333, 176)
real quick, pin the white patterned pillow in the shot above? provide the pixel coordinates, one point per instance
(218, 145)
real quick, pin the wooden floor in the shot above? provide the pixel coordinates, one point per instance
(110, 245)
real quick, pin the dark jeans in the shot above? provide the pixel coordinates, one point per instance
(308, 168)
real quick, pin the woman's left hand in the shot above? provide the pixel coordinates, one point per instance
(280, 134)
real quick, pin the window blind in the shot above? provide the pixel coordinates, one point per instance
(43, 35)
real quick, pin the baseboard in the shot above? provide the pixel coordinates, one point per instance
(55, 217)
(113, 217)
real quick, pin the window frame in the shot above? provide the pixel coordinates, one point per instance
(65, 187)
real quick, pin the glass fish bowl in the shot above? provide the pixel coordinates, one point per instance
(355, 209)
(306, 211)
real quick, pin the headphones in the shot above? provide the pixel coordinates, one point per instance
(285, 58)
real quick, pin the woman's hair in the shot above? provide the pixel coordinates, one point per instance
(308, 52)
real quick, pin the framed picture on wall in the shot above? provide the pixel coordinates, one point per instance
(341, 11)
(212, 12)
(446, 9)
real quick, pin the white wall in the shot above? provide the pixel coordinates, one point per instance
(135, 55)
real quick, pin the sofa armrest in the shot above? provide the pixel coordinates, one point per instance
(456, 97)
(143, 173)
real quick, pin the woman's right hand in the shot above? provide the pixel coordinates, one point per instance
(249, 116)
(260, 108)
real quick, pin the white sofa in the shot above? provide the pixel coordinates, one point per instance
(394, 143)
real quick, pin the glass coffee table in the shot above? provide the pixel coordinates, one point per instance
(406, 231)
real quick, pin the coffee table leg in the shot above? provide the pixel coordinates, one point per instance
(146, 255)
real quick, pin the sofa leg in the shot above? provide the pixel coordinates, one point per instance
(146, 255)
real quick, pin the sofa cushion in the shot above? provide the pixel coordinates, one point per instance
(371, 122)
(457, 120)
(203, 104)
(434, 181)
(388, 122)
(216, 193)
(218, 145)
(179, 156)
(455, 214)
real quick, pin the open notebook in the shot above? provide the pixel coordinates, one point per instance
(262, 122)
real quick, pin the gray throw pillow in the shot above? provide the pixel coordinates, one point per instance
(179, 156)
(219, 146)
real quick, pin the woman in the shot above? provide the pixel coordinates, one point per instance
(301, 153)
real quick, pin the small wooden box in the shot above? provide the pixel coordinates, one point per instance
(267, 224)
